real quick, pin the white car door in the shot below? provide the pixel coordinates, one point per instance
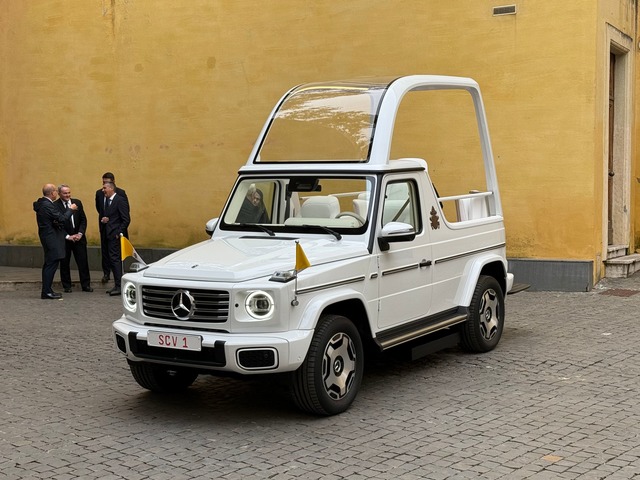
(404, 271)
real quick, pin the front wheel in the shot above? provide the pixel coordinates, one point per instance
(328, 380)
(162, 379)
(483, 328)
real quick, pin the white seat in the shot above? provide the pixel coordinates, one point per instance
(360, 207)
(472, 208)
(320, 207)
(361, 204)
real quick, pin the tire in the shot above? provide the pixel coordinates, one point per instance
(328, 380)
(483, 328)
(162, 379)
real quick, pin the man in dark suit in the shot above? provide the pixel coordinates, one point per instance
(76, 242)
(115, 221)
(51, 232)
(101, 203)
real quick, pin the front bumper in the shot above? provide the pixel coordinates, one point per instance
(239, 353)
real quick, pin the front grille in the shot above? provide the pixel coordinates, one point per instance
(209, 305)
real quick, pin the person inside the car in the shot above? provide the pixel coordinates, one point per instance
(253, 209)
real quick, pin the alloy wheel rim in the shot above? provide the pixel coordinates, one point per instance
(339, 365)
(489, 311)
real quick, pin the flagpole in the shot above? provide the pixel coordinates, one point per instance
(121, 259)
(302, 262)
(295, 302)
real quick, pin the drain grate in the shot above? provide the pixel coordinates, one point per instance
(620, 292)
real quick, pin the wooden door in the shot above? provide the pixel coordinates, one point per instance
(612, 65)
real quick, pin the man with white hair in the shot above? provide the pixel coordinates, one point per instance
(76, 241)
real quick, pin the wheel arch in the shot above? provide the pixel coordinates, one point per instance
(490, 265)
(348, 303)
(355, 311)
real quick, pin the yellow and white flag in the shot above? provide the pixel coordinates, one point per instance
(127, 250)
(302, 261)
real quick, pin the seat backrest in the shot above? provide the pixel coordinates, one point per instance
(472, 208)
(361, 204)
(320, 207)
(360, 207)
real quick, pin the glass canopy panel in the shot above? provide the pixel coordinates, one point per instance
(324, 123)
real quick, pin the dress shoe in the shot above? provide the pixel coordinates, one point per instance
(87, 289)
(114, 291)
(105, 279)
(68, 290)
(51, 296)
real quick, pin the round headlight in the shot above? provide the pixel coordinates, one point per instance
(259, 305)
(129, 297)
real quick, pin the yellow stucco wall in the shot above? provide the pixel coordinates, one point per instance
(171, 95)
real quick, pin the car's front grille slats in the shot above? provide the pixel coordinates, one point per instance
(209, 305)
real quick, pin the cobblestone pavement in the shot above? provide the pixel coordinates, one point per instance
(558, 399)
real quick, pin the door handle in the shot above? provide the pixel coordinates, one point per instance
(425, 263)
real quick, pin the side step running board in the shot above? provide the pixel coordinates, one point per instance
(518, 287)
(419, 328)
(443, 340)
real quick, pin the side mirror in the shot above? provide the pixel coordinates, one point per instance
(395, 232)
(210, 226)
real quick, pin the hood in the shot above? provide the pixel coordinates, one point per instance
(38, 204)
(241, 259)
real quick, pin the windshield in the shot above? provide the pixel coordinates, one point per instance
(324, 123)
(300, 204)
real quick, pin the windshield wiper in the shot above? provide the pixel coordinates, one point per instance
(260, 227)
(325, 229)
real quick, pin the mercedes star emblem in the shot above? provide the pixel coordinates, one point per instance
(183, 305)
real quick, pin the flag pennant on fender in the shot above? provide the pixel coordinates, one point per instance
(302, 261)
(127, 250)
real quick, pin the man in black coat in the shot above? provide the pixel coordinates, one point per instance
(115, 222)
(76, 241)
(51, 232)
(101, 203)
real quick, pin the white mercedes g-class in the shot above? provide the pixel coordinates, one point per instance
(328, 249)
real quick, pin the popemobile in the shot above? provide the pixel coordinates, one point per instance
(335, 244)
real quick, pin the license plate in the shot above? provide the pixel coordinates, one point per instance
(173, 340)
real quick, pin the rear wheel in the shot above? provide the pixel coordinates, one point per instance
(162, 379)
(483, 328)
(328, 380)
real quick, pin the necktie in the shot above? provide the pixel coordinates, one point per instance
(68, 206)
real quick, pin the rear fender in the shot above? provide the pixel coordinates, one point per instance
(496, 266)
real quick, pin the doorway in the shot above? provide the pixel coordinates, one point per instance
(611, 134)
(617, 184)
